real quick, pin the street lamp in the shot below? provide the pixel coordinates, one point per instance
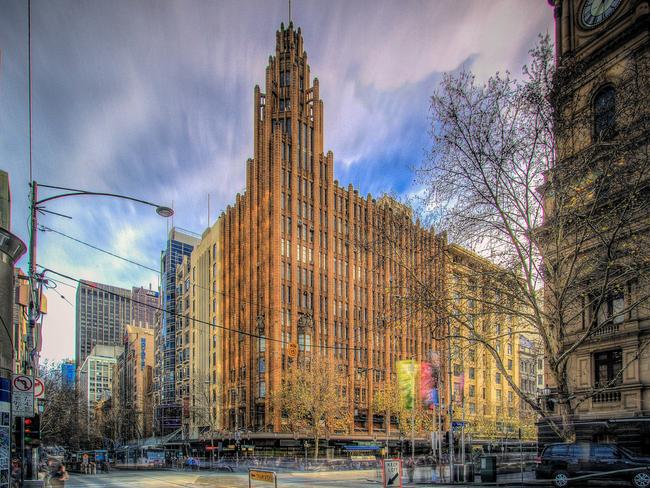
(36, 206)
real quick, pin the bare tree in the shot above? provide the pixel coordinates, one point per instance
(388, 401)
(312, 401)
(203, 410)
(562, 222)
(60, 418)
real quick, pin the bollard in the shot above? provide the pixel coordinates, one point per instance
(94, 468)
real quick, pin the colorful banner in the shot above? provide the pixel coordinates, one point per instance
(406, 372)
(423, 380)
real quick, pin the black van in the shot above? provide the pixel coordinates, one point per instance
(563, 463)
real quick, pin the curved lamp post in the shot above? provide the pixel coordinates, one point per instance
(36, 206)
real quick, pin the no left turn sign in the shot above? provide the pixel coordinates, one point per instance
(23, 383)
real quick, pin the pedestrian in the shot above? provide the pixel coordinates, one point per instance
(410, 469)
(60, 477)
(16, 473)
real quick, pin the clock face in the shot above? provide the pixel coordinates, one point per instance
(595, 12)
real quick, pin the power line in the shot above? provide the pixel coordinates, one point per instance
(221, 292)
(43, 228)
(195, 320)
(112, 254)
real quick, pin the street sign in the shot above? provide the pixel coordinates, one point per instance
(22, 395)
(292, 350)
(39, 388)
(392, 472)
(263, 475)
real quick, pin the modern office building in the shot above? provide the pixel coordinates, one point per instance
(95, 375)
(102, 312)
(68, 374)
(167, 414)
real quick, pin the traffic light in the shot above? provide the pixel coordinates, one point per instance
(33, 430)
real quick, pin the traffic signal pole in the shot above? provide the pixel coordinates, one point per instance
(22, 450)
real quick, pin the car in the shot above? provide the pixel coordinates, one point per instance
(563, 462)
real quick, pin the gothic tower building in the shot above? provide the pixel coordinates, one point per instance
(312, 264)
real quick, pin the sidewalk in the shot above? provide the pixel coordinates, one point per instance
(509, 479)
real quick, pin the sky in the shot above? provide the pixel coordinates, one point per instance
(153, 99)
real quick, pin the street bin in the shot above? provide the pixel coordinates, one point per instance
(489, 469)
(464, 473)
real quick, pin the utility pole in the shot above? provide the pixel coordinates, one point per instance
(451, 407)
(413, 410)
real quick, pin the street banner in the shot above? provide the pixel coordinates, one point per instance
(406, 380)
(426, 383)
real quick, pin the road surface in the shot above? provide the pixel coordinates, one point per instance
(176, 479)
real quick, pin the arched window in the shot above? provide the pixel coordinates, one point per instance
(605, 113)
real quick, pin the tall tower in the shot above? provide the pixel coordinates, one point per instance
(167, 413)
(302, 264)
(602, 131)
(102, 312)
(285, 182)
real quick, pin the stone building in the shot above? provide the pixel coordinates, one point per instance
(602, 127)
(132, 384)
(299, 266)
(484, 394)
(199, 302)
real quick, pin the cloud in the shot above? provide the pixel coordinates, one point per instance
(154, 100)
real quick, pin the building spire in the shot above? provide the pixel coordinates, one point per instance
(289, 11)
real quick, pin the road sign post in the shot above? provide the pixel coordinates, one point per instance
(22, 405)
(263, 476)
(391, 472)
(22, 395)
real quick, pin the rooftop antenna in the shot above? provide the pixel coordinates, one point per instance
(289, 11)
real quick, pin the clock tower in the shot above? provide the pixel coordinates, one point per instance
(602, 129)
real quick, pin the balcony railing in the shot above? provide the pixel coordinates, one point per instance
(607, 397)
(608, 329)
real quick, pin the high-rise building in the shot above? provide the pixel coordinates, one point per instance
(95, 378)
(199, 303)
(179, 244)
(144, 305)
(68, 374)
(132, 384)
(596, 199)
(102, 312)
(312, 267)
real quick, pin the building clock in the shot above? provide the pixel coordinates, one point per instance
(595, 12)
